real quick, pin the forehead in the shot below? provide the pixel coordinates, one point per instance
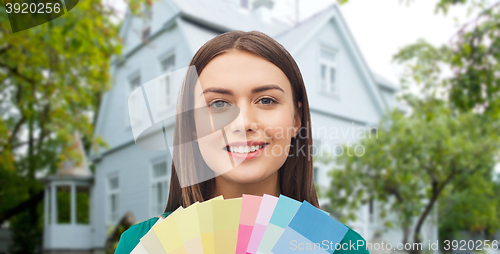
(241, 71)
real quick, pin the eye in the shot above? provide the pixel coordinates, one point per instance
(267, 101)
(219, 104)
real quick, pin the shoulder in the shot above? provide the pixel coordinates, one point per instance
(131, 237)
(352, 242)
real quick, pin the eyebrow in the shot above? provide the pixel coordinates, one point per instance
(229, 92)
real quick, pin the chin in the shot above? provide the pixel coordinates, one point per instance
(243, 176)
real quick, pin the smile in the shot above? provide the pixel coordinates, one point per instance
(244, 149)
(245, 152)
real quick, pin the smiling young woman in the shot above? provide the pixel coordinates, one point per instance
(265, 150)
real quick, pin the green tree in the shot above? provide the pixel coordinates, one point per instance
(450, 139)
(51, 80)
(472, 206)
(412, 162)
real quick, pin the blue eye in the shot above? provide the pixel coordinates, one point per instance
(218, 104)
(267, 101)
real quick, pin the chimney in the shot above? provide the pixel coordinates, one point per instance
(262, 9)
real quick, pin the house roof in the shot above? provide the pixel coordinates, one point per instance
(195, 35)
(72, 169)
(291, 38)
(222, 17)
(299, 36)
(294, 38)
(219, 14)
(202, 20)
(385, 83)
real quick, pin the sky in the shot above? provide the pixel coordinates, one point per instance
(381, 27)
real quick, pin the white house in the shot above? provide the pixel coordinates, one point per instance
(343, 93)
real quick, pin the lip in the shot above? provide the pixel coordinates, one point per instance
(247, 156)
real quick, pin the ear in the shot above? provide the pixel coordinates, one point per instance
(297, 122)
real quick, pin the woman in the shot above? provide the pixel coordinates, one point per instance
(266, 149)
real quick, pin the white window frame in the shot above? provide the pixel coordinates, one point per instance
(112, 217)
(166, 96)
(130, 89)
(157, 208)
(326, 85)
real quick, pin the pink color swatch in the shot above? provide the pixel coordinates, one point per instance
(264, 215)
(249, 210)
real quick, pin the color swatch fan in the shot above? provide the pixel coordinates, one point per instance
(250, 224)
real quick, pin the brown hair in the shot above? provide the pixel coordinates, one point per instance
(296, 174)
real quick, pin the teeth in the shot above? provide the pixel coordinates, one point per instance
(244, 149)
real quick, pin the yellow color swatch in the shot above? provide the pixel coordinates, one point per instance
(189, 229)
(207, 225)
(168, 235)
(226, 219)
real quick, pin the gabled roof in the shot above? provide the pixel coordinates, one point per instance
(385, 83)
(207, 19)
(202, 20)
(72, 169)
(297, 37)
(195, 35)
(220, 15)
(294, 38)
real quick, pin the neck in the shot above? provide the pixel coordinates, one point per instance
(229, 189)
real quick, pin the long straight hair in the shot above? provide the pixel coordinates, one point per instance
(296, 175)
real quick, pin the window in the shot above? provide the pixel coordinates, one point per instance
(82, 204)
(328, 69)
(160, 186)
(63, 201)
(133, 84)
(113, 198)
(165, 94)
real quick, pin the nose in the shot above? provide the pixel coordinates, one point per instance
(245, 122)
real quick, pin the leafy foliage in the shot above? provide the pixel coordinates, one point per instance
(51, 80)
(413, 160)
(472, 206)
(445, 149)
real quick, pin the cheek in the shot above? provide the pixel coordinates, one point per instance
(278, 125)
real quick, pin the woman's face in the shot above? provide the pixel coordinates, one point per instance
(258, 140)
